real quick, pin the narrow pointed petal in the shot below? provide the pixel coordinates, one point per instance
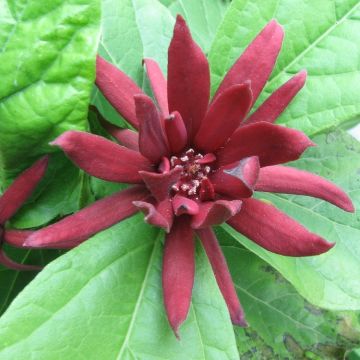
(222, 275)
(237, 180)
(16, 237)
(158, 85)
(160, 184)
(207, 159)
(152, 139)
(178, 272)
(160, 215)
(207, 191)
(277, 102)
(215, 213)
(273, 144)
(76, 228)
(175, 132)
(21, 189)
(126, 137)
(188, 78)
(282, 179)
(11, 264)
(183, 205)
(223, 117)
(102, 158)
(256, 62)
(275, 231)
(118, 89)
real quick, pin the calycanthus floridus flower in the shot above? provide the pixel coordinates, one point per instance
(195, 163)
(10, 202)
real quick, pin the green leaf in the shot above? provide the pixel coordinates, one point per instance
(282, 324)
(131, 31)
(11, 281)
(103, 300)
(52, 199)
(331, 280)
(202, 16)
(47, 54)
(320, 36)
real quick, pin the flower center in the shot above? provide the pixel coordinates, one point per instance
(195, 169)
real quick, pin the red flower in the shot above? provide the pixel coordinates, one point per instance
(10, 202)
(196, 164)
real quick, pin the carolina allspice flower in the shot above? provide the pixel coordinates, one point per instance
(10, 202)
(196, 163)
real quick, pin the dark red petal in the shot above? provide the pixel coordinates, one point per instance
(281, 179)
(175, 132)
(126, 137)
(215, 213)
(152, 139)
(223, 117)
(102, 158)
(188, 78)
(164, 166)
(160, 215)
(207, 159)
(118, 88)
(160, 184)
(158, 85)
(16, 237)
(256, 62)
(275, 231)
(183, 205)
(76, 228)
(273, 144)
(178, 272)
(222, 275)
(237, 180)
(277, 102)
(21, 189)
(207, 191)
(11, 264)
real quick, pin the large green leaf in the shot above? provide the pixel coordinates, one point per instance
(103, 300)
(47, 54)
(282, 324)
(320, 36)
(131, 31)
(331, 280)
(202, 16)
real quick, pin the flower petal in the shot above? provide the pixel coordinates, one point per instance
(126, 137)
(273, 144)
(237, 180)
(207, 191)
(16, 237)
(160, 215)
(222, 275)
(102, 158)
(152, 139)
(175, 132)
(118, 89)
(21, 189)
(256, 62)
(215, 213)
(76, 228)
(158, 85)
(160, 184)
(275, 231)
(11, 264)
(188, 78)
(277, 102)
(178, 272)
(183, 205)
(282, 179)
(223, 117)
